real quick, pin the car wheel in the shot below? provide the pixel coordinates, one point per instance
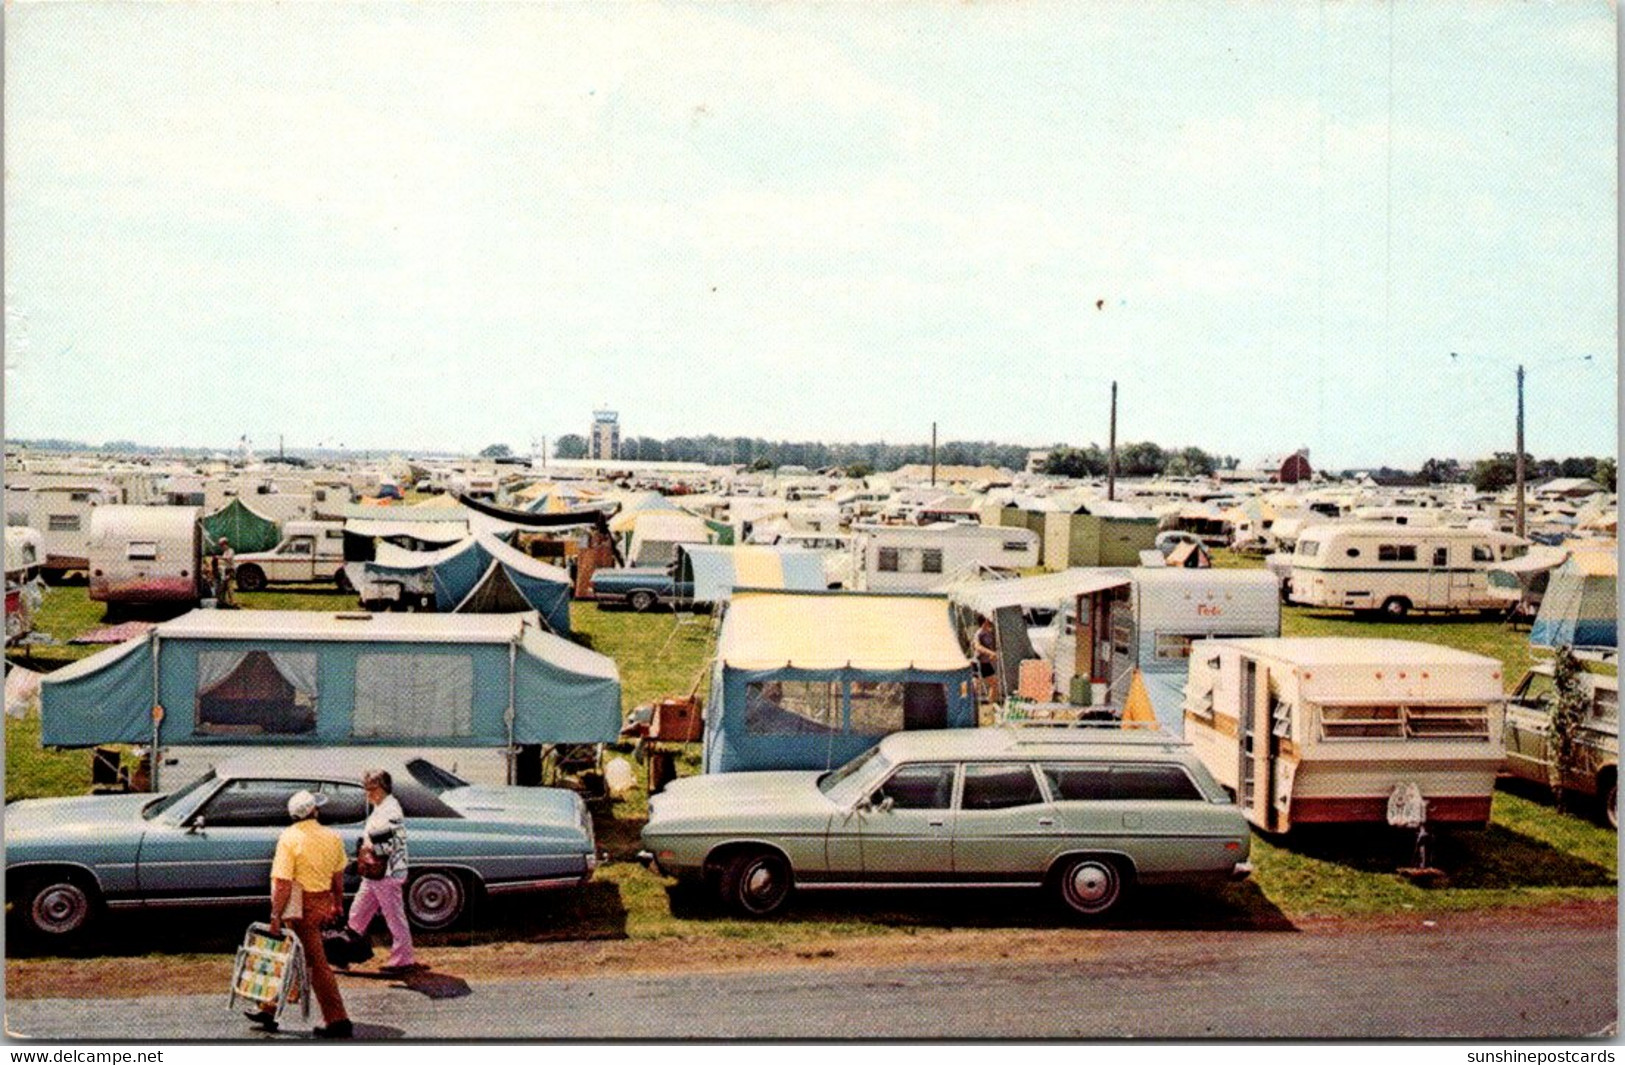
(250, 579)
(1090, 885)
(642, 602)
(342, 581)
(1610, 801)
(1396, 607)
(435, 900)
(57, 907)
(755, 883)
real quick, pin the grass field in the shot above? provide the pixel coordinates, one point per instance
(1530, 854)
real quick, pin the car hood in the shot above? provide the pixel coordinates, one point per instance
(769, 793)
(535, 806)
(79, 815)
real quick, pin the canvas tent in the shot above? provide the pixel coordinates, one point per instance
(479, 575)
(1580, 608)
(655, 539)
(246, 528)
(717, 570)
(292, 678)
(808, 680)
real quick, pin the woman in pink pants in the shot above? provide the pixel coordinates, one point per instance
(385, 836)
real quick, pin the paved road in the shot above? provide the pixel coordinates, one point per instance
(1469, 982)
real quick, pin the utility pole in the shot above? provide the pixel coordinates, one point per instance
(1111, 456)
(1518, 463)
(933, 454)
(280, 453)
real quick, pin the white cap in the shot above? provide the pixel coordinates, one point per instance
(301, 804)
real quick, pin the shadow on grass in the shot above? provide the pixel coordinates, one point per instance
(1378, 617)
(1233, 907)
(1496, 857)
(592, 911)
(1584, 807)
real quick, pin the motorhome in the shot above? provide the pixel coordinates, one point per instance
(930, 557)
(309, 551)
(1328, 729)
(1373, 566)
(143, 555)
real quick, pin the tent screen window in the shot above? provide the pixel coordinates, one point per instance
(256, 693)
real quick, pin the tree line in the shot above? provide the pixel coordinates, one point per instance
(1500, 471)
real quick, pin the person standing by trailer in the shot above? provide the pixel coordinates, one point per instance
(225, 571)
(307, 888)
(382, 860)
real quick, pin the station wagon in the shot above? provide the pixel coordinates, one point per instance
(1084, 812)
(1528, 727)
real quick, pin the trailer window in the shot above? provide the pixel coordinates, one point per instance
(1178, 644)
(62, 523)
(1483, 553)
(931, 560)
(1447, 722)
(256, 693)
(1362, 722)
(1015, 545)
(1308, 548)
(1396, 552)
(790, 707)
(886, 560)
(139, 550)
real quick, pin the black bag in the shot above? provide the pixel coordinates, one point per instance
(345, 947)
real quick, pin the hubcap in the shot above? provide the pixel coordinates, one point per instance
(1091, 883)
(434, 899)
(60, 908)
(759, 882)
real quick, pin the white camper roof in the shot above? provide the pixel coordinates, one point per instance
(348, 625)
(1356, 651)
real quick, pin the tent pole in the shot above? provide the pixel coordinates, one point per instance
(153, 760)
(513, 655)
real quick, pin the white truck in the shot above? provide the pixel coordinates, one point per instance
(309, 551)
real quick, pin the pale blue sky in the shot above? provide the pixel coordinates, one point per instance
(438, 226)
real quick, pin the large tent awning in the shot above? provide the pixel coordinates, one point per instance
(838, 630)
(718, 570)
(1047, 590)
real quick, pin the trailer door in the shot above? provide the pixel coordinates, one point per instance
(1256, 747)
(1439, 576)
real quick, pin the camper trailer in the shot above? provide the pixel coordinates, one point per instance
(1373, 566)
(1327, 730)
(61, 513)
(928, 558)
(309, 551)
(145, 554)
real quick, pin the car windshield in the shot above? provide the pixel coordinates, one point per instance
(846, 784)
(433, 777)
(157, 806)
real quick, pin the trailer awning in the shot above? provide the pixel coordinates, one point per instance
(766, 630)
(1048, 590)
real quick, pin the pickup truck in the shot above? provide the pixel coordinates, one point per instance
(1528, 723)
(309, 551)
(640, 587)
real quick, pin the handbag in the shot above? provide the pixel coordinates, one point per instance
(369, 864)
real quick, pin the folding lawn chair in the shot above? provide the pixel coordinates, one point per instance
(269, 974)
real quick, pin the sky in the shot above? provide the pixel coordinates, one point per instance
(440, 226)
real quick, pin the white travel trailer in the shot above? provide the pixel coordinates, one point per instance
(1328, 729)
(1396, 569)
(145, 554)
(61, 513)
(309, 551)
(926, 558)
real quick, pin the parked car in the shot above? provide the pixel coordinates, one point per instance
(1087, 813)
(212, 841)
(640, 587)
(1528, 724)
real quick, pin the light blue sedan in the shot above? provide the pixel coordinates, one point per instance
(211, 842)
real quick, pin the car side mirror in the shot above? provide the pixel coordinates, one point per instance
(195, 825)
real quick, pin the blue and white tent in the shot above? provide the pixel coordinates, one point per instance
(482, 574)
(292, 678)
(1581, 607)
(717, 570)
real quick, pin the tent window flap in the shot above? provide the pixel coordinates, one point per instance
(425, 696)
(787, 707)
(253, 693)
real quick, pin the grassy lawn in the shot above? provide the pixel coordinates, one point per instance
(1530, 854)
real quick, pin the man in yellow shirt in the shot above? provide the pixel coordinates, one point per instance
(307, 887)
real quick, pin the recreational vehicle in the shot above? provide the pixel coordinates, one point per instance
(1369, 566)
(928, 558)
(1329, 729)
(61, 513)
(145, 554)
(309, 551)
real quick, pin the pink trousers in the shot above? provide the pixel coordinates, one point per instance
(385, 895)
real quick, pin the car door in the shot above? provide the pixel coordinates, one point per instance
(1004, 828)
(906, 832)
(225, 848)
